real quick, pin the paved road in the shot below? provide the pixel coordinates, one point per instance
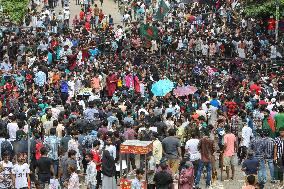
(109, 8)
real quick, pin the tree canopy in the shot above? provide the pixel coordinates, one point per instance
(263, 8)
(15, 9)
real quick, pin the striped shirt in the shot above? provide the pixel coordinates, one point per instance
(280, 147)
(269, 148)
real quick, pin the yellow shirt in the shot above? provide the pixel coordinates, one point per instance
(157, 151)
(119, 83)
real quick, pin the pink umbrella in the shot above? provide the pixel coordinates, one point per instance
(184, 91)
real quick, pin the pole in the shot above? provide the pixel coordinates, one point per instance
(277, 21)
(29, 144)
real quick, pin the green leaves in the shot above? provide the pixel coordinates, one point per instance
(16, 9)
(263, 8)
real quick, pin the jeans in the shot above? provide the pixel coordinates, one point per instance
(55, 167)
(270, 164)
(262, 178)
(199, 172)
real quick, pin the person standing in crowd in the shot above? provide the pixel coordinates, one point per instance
(44, 168)
(20, 173)
(108, 171)
(246, 136)
(230, 149)
(279, 119)
(137, 182)
(7, 166)
(68, 160)
(91, 172)
(172, 150)
(163, 179)
(53, 142)
(258, 146)
(269, 154)
(97, 160)
(278, 156)
(207, 149)
(192, 151)
(73, 182)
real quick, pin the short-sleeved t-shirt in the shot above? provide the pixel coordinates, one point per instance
(44, 165)
(96, 158)
(229, 141)
(250, 166)
(20, 172)
(170, 145)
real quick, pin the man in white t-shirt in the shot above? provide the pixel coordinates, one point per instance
(12, 127)
(21, 173)
(245, 141)
(191, 148)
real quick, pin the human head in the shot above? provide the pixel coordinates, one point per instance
(281, 131)
(89, 157)
(72, 154)
(43, 151)
(96, 144)
(139, 173)
(172, 132)
(6, 156)
(108, 141)
(251, 179)
(71, 169)
(52, 131)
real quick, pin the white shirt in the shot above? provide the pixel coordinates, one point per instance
(246, 136)
(55, 113)
(112, 150)
(20, 172)
(12, 129)
(192, 149)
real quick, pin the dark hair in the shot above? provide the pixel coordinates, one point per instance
(43, 151)
(96, 143)
(52, 131)
(172, 132)
(71, 153)
(251, 179)
(140, 171)
(89, 154)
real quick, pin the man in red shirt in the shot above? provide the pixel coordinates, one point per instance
(82, 15)
(97, 159)
(255, 88)
(271, 25)
(232, 107)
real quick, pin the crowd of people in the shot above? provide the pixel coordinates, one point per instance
(73, 90)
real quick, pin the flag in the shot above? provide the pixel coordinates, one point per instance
(150, 32)
(162, 10)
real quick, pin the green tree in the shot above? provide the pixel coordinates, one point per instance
(16, 9)
(263, 8)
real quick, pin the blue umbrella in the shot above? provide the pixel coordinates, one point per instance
(162, 87)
